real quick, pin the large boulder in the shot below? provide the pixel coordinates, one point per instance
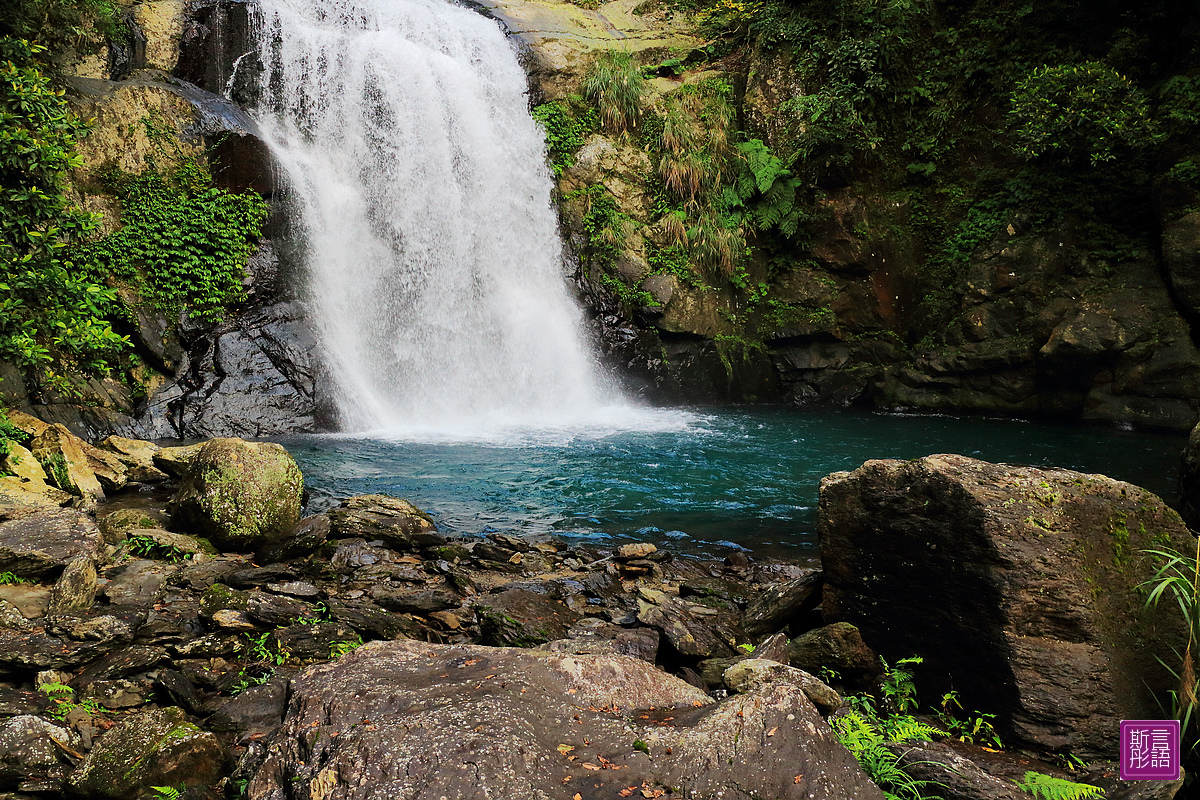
(412, 719)
(397, 523)
(158, 747)
(1189, 481)
(1019, 587)
(239, 494)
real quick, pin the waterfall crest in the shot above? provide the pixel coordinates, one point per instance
(435, 267)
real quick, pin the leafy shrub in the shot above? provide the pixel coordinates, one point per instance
(182, 242)
(48, 309)
(1079, 110)
(564, 134)
(616, 85)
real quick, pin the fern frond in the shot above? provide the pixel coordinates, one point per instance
(1047, 787)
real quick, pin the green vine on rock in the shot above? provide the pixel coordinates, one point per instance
(182, 242)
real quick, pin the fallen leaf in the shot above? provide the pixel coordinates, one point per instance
(570, 691)
(626, 792)
(772, 731)
(470, 662)
(488, 677)
(565, 748)
(586, 765)
(578, 796)
(567, 779)
(697, 703)
(797, 779)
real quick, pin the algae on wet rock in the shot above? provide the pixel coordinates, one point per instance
(239, 494)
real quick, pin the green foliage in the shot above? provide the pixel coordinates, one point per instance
(55, 465)
(767, 191)
(1047, 787)
(11, 579)
(1077, 111)
(1177, 580)
(145, 547)
(977, 728)
(57, 22)
(168, 792)
(863, 733)
(62, 698)
(564, 134)
(10, 434)
(899, 691)
(258, 649)
(604, 226)
(49, 310)
(340, 648)
(1179, 103)
(616, 85)
(182, 242)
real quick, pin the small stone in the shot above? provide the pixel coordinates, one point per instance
(233, 620)
(75, 588)
(636, 550)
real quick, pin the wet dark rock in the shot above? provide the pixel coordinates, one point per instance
(15, 702)
(199, 574)
(274, 609)
(781, 603)
(370, 620)
(597, 637)
(122, 663)
(514, 543)
(1189, 481)
(485, 551)
(452, 552)
(774, 648)
(255, 375)
(415, 601)
(139, 582)
(120, 694)
(32, 749)
(239, 495)
(157, 747)
(305, 538)
(519, 618)
(464, 721)
(397, 523)
(115, 625)
(75, 587)
(356, 554)
(957, 777)
(33, 650)
(839, 647)
(751, 673)
(175, 621)
(257, 710)
(210, 645)
(180, 689)
(301, 589)
(313, 642)
(1033, 575)
(690, 628)
(602, 585)
(736, 592)
(39, 546)
(220, 597)
(253, 577)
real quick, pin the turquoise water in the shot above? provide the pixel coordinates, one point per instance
(701, 482)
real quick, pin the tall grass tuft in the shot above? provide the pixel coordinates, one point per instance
(616, 85)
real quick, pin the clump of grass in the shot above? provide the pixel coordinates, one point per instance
(616, 85)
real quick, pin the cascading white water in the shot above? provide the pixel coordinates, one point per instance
(434, 259)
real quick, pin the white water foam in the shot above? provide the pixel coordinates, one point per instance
(436, 270)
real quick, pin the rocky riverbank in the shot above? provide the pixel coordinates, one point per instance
(168, 619)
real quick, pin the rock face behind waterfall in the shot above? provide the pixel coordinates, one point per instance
(1020, 583)
(410, 719)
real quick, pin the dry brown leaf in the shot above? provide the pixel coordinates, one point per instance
(578, 796)
(587, 765)
(565, 748)
(626, 792)
(797, 779)
(772, 731)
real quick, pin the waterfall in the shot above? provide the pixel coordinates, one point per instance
(435, 270)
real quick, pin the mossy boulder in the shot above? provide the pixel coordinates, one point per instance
(239, 495)
(158, 747)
